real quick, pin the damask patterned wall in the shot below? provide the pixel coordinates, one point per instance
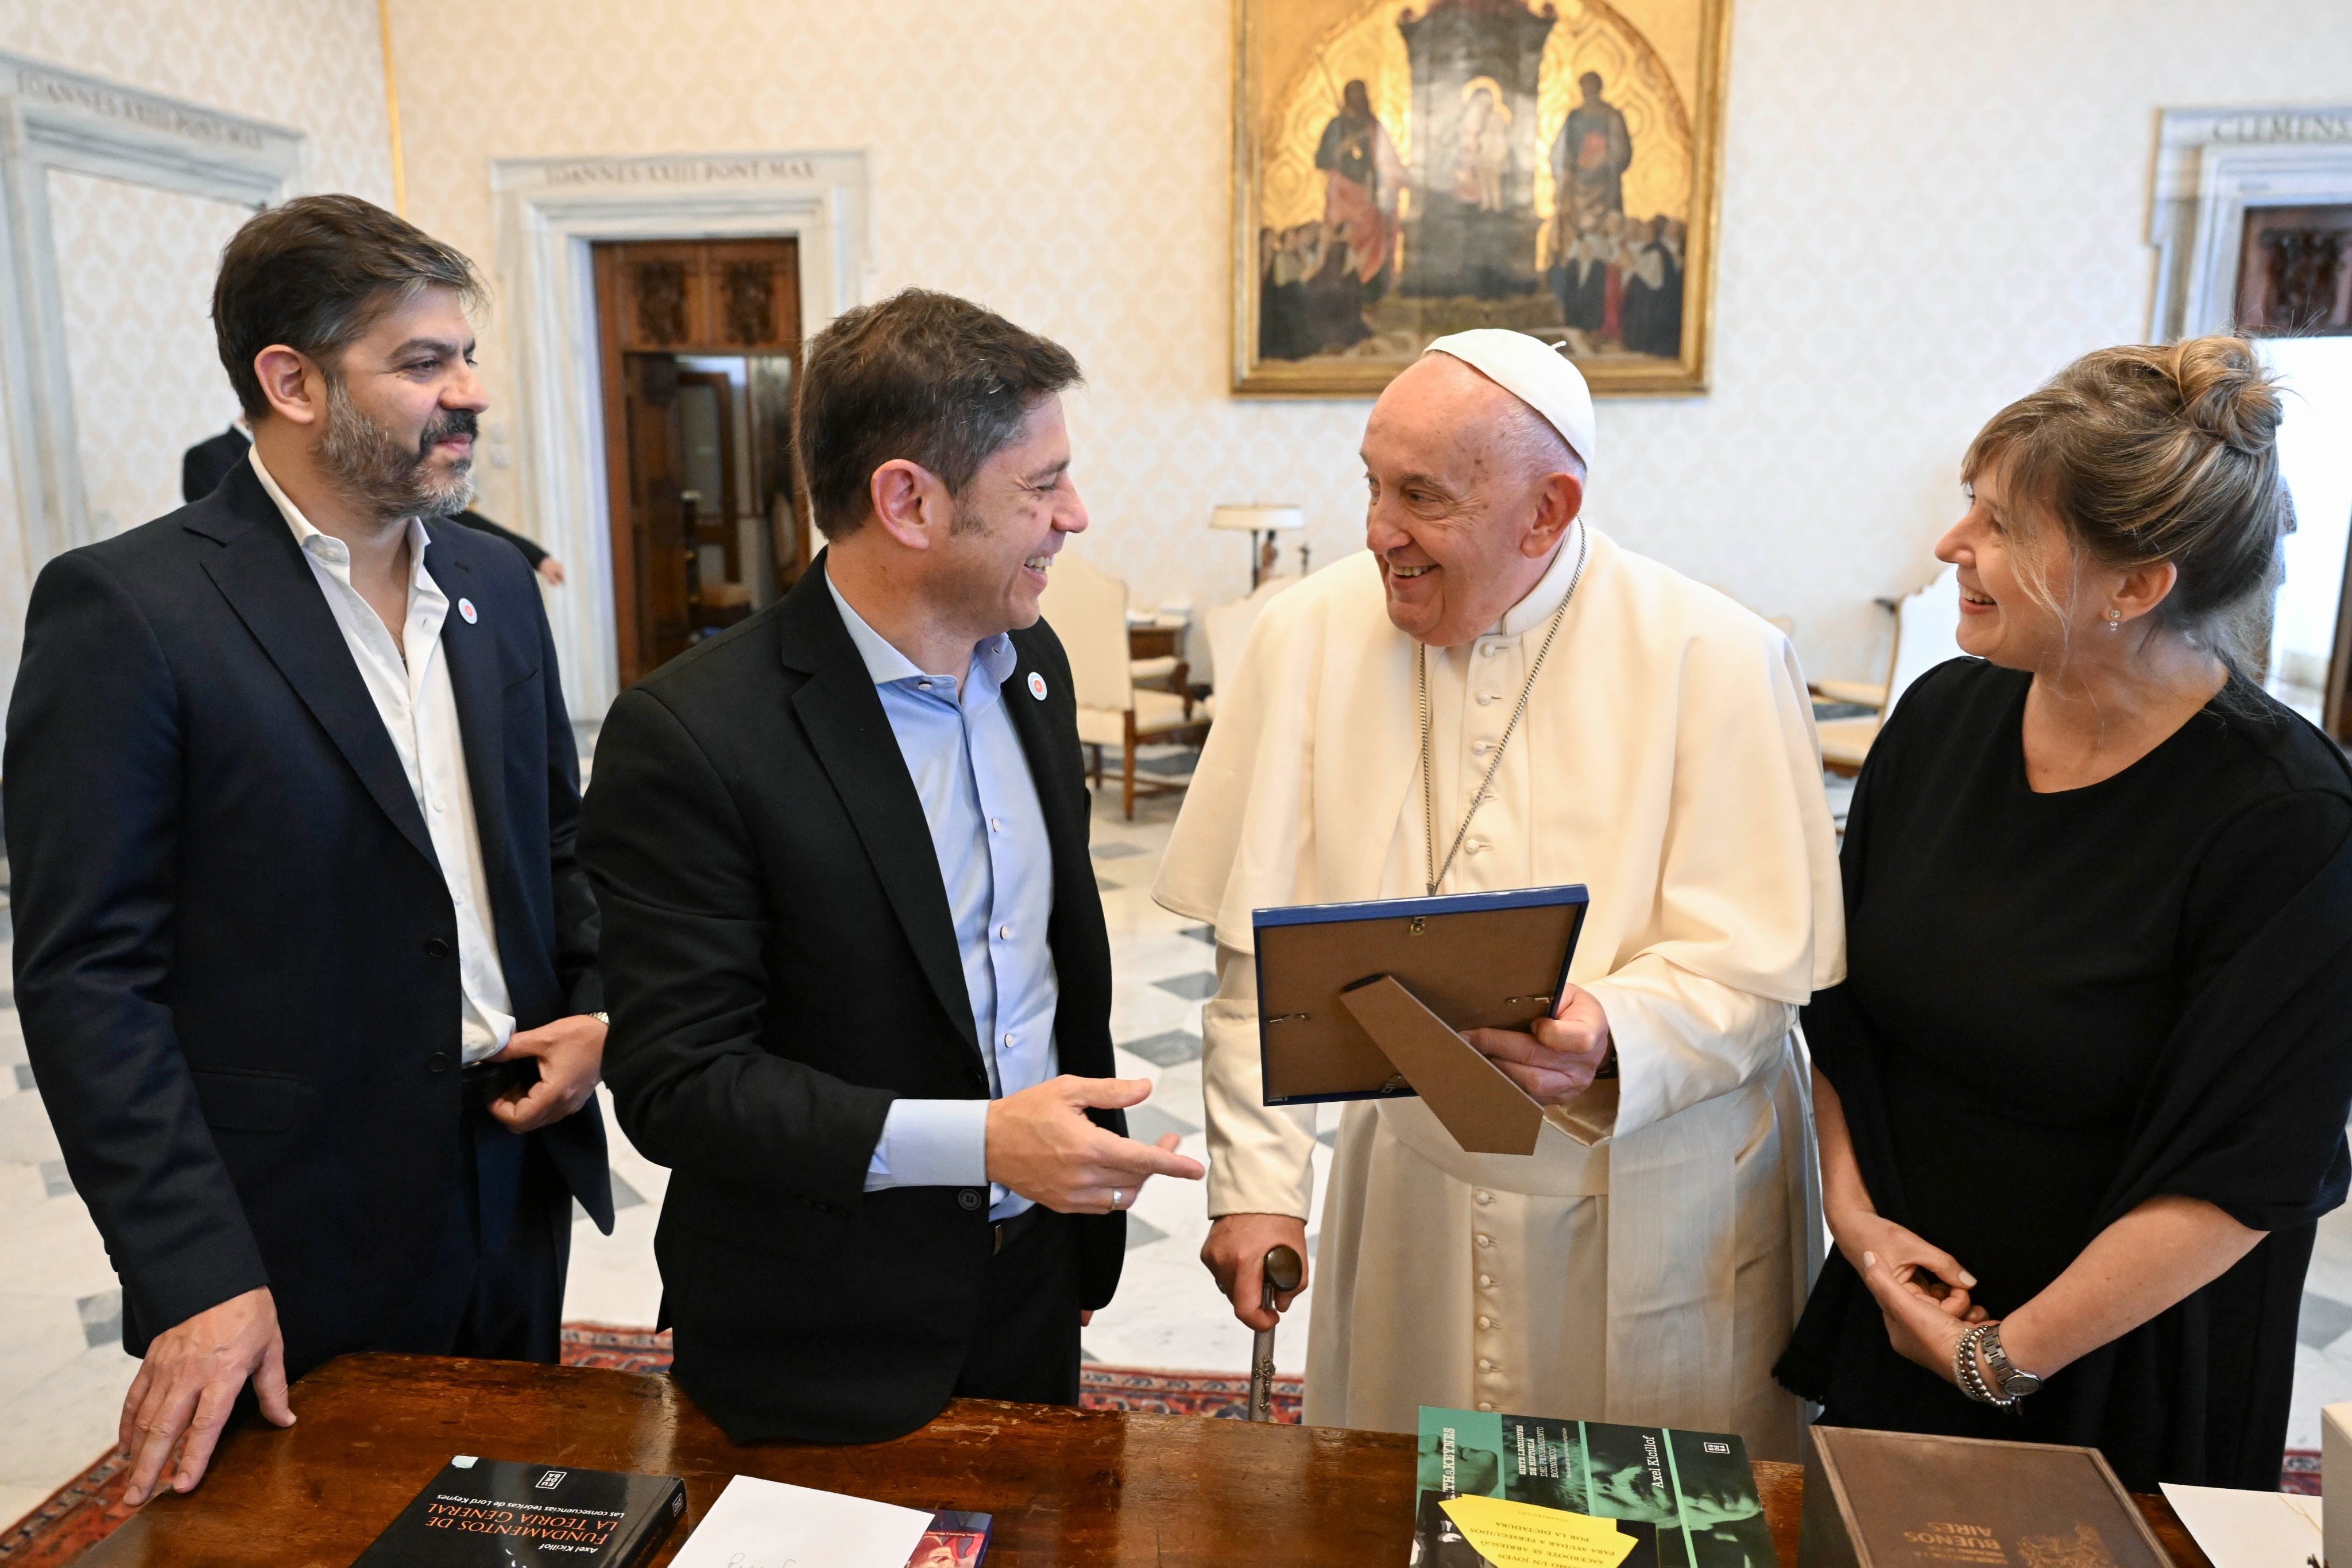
(137, 281)
(136, 265)
(1927, 209)
(312, 65)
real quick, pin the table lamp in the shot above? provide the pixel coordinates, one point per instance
(1255, 521)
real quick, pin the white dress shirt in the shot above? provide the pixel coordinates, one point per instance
(419, 708)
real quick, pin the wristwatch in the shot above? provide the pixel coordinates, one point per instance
(2013, 1382)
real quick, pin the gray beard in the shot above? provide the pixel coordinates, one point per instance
(374, 471)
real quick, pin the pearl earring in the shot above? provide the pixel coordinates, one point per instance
(2115, 620)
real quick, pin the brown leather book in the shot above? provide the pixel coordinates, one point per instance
(1899, 1499)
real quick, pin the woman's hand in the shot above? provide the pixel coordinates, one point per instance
(1921, 1327)
(1909, 1259)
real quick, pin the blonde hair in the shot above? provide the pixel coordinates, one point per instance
(2148, 454)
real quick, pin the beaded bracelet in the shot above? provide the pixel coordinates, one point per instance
(1964, 1373)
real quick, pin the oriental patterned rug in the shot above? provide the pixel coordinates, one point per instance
(88, 1509)
(1100, 1387)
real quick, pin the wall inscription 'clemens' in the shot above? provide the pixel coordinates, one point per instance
(1403, 171)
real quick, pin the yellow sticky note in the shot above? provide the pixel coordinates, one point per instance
(1522, 1535)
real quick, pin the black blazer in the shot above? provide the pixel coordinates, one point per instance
(204, 465)
(236, 955)
(781, 965)
(531, 552)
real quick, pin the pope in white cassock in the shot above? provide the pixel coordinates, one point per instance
(1589, 716)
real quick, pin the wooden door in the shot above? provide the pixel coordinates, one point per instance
(651, 516)
(656, 299)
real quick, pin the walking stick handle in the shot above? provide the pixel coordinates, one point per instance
(1281, 1272)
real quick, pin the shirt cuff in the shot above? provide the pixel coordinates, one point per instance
(930, 1143)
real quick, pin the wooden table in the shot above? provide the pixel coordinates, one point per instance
(1067, 1487)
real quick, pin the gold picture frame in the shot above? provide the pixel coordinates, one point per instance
(1408, 168)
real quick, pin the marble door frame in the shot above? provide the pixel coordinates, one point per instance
(2211, 164)
(550, 211)
(51, 118)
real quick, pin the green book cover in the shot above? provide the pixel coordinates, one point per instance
(1688, 1497)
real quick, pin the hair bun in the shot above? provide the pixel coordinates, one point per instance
(2226, 393)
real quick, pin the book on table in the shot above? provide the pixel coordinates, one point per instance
(1617, 1496)
(1896, 1499)
(955, 1540)
(501, 1513)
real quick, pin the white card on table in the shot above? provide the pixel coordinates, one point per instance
(2249, 1529)
(767, 1524)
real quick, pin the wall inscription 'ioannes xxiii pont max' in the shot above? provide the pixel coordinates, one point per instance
(1406, 170)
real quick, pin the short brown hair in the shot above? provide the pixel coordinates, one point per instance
(2160, 453)
(316, 273)
(927, 377)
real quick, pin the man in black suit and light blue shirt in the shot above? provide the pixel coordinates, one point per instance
(305, 962)
(859, 976)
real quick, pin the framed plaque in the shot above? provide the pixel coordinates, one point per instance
(1360, 1001)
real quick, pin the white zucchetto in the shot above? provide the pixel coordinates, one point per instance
(1533, 372)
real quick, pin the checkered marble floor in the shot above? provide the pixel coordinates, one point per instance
(62, 1373)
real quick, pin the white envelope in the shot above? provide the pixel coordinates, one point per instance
(767, 1524)
(2249, 1529)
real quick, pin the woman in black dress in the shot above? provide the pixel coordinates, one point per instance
(2083, 1092)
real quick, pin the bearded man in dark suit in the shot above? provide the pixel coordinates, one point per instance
(305, 962)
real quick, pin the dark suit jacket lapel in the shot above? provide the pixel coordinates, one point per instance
(263, 574)
(475, 674)
(852, 740)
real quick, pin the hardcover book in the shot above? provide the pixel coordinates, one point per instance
(1687, 1499)
(498, 1513)
(954, 1540)
(1900, 1499)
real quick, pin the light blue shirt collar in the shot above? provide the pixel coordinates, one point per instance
(995, 655)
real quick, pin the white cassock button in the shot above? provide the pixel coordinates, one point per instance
(1486, 1366)
(1485, 1322)
(1484, 1406)
(1486, 1279)
(1485, 1241)
(1484, 1197)
(1485, 697)
(1477, 847)
(1483, 747)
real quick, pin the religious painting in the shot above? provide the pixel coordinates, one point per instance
(2295, 271)
(1404, 169)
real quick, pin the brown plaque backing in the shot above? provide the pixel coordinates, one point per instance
(1485, 1111)
(1486, 969)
